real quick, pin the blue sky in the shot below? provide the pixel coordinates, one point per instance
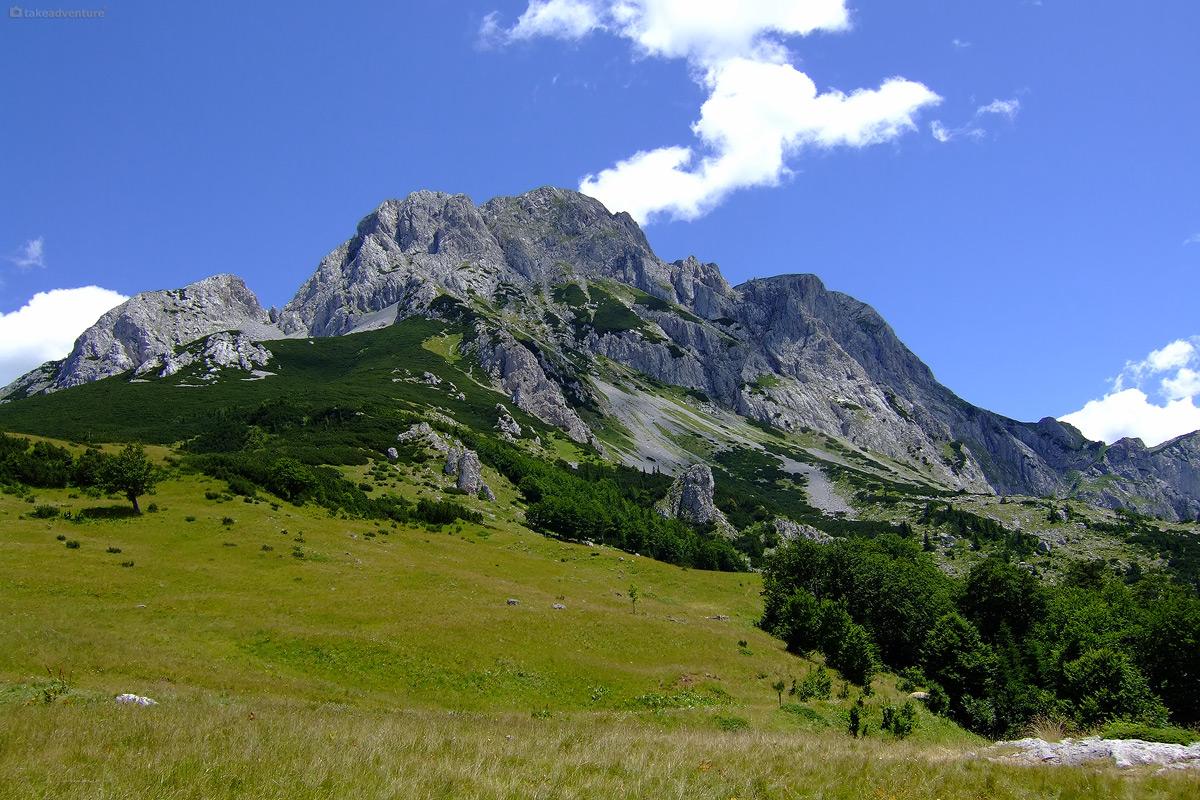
(1030, 253)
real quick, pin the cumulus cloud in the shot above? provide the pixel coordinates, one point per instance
(31, 254)
(1171, 375)
(761, 110)
(559, 19)
(46, 327)
(1193, 239)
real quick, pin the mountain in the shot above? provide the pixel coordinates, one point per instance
(567, 311)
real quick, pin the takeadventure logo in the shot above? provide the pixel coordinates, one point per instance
(19, 12)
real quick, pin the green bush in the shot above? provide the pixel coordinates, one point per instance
(816, 685)
(731, 723)
(44, 512)
(72, 544)
(1105, 685)
(899, 721)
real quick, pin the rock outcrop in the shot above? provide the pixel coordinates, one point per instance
(1121, 753)
(214, 353)
(505, 423)
(464, 464)
(521, 376)
(790, 530)
(425, 436)
(691, 499)
(150, 326)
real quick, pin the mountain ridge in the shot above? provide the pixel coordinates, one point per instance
(561, 295)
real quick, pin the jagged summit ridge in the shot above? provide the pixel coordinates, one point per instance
(557, 292)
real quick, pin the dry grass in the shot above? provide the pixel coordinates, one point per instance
(1050, 729)
(204, 750)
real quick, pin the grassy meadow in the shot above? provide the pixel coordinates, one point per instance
(294, 654)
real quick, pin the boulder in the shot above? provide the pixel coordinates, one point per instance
(465, 464)
(691, 500)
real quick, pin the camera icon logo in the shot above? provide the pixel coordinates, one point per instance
(16, 12)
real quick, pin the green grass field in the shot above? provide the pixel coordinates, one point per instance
(298, 655)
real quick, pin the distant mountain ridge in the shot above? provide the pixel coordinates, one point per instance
(563, 299)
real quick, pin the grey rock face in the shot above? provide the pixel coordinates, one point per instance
(519, 373)
(790, 530)
(216, 352)
(152, 324)
(403, 257)
(36, 381)
(691, 499)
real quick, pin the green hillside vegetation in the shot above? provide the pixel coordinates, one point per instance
(263, 560)
(287, 648)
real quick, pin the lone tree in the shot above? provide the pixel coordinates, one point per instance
(130, 473)
(779, 686)
(633, 597)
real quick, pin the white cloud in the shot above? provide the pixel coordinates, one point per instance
(31, 254)
(1129, 411)
(1193, 239)
(560, 19)
(959, 44)
(46, 327)
(760, 110)
(710, 31)
(974, 128)
(1005, 108)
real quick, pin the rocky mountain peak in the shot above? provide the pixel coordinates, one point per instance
(151, 325)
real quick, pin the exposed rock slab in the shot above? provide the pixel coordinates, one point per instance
(1121, 753)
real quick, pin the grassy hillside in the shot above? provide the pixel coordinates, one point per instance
(387, 661)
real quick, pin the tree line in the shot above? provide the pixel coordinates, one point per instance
(998, 647)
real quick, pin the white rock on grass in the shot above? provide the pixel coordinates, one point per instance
(1123, 753)
(135, 700)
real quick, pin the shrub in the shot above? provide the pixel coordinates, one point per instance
(44, 512)
(152, 508)
(54, 688)
(126, 563)
(113, 550)
(266, 548)
(816, 685)
(731, 723)
(62, 537)
(855, 655)
(1104, 685)
(899, 721)
(189, 518)
(857, 725)
(227, 521)
(72, 544)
